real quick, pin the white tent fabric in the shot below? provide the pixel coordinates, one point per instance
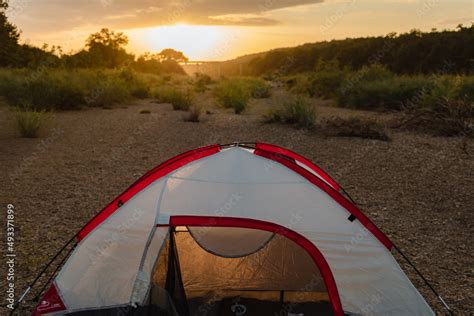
(112, 265)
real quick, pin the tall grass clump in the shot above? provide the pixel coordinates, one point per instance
(180, 99)
(297, 111)
(29, 122)
(232, 93)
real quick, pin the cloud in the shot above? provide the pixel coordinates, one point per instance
(242, 19)
(59, 15)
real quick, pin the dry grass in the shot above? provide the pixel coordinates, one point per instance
(30, 122)
(297, 111)
(354, 127)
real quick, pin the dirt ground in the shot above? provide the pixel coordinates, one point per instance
(418, 189)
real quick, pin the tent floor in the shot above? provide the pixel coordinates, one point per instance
(198, 306)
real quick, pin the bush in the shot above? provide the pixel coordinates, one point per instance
(326, 84)
(42, 90)
(232, 93)
(181, 100)
(145, 112)
(107, 92)
(300, 84)
(70, 89)
(326, 81)
(298, 111)
(443, 109)
(257, 88)
(355, 127)
(389, 94)
(137, 86)
(201, 82)
(30, 122)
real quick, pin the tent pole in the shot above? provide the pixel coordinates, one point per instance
(37, 297)
(439, 297)
(446, 306)
(28, 289)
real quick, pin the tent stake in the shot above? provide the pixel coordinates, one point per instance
(446, 306)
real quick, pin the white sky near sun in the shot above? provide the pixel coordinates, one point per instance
(219, 30)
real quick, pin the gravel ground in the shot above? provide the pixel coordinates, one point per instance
(418, 189)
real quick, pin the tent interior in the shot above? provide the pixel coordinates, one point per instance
(236, 271)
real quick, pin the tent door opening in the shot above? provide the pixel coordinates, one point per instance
(237, 271)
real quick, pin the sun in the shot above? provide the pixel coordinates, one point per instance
(198, 42)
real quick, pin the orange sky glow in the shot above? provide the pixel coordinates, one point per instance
(220, 30)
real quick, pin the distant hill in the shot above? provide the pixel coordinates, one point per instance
(407, 53)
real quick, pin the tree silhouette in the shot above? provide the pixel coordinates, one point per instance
(9, 36)
(174, 55)
(108, 38)
(105, 49)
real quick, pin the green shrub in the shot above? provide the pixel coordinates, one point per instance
(258, 88)
(30, 122)
(137, 86)
(58, 89)
(389, 94)
(300, 84)
(203, 79)
(445, 109)
(108, 91)
(201, 82)
(326, 83)
(43, 90)
(298, 111)
(145, 112)
(326, 80)
(466, 89)
(232, 93)
(374, 72)
(180, 99)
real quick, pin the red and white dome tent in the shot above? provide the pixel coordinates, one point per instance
(239, 229)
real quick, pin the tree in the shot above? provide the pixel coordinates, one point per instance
(168, 54)
(154, 63)
(106, 49)
(9, 36)
(108, 38)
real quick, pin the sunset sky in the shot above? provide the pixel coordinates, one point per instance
(219, 30)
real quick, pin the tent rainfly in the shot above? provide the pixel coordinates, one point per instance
(232, 230)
